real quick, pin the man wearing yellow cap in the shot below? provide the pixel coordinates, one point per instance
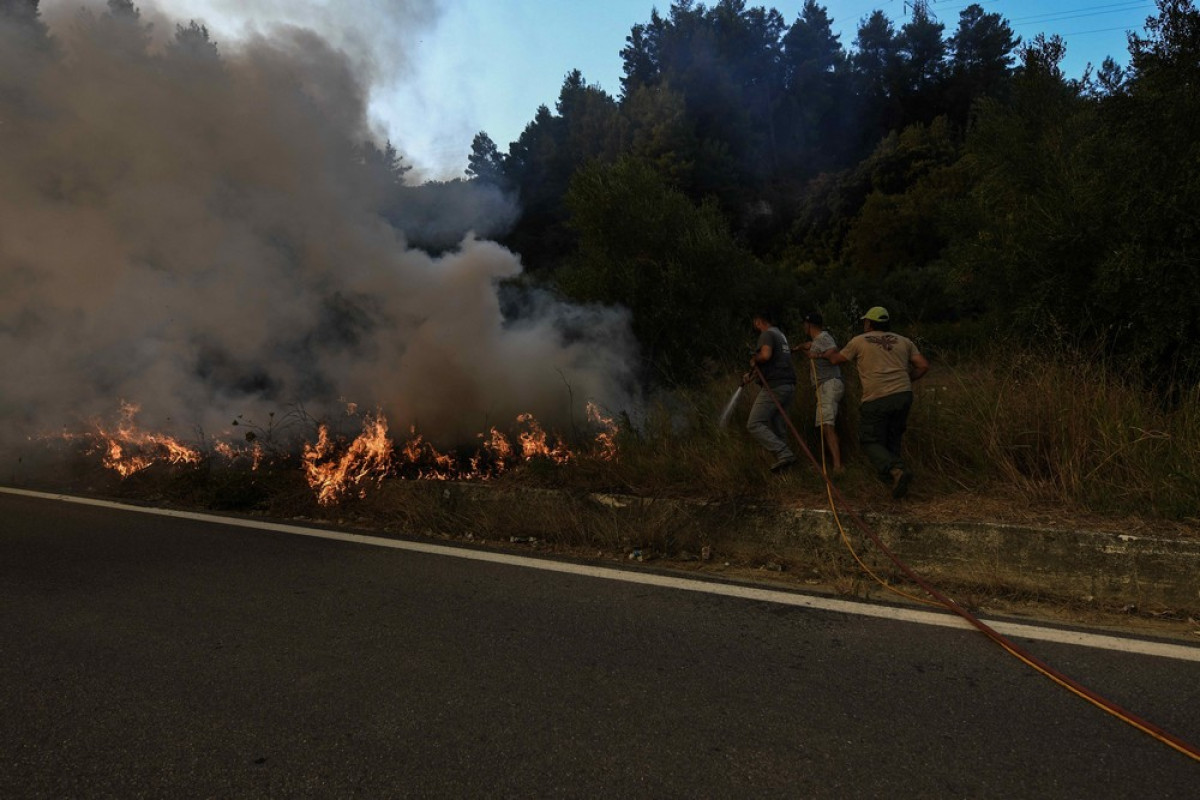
(887, 366)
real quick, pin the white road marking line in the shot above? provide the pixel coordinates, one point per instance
(940, 618)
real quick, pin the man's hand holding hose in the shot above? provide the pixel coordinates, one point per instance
(757, 357)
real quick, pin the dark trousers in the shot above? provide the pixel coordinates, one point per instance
(881, 426)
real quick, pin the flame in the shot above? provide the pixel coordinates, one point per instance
(334, 472)
(254, 452)
(333, 476)
(606, 439)
(534, 442)
(128, 450)
(430, 464)
(499, 449)
(336, 468)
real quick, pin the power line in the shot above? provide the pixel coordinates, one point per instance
(1114, 8)
(1048, 16)
(1137, 24)
(1098, 30)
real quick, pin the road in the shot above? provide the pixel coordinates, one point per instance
(144, 656)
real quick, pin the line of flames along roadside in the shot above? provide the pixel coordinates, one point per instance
(336, 472)
(338, 467)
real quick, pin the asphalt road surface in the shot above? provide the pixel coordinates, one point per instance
(143, 656)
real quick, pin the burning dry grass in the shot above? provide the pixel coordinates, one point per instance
(333, 472)
(1046, 443)
(338, 467)
(126, 449)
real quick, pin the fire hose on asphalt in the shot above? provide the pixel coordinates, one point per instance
(938, 598)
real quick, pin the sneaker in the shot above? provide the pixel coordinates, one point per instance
(783, 463)
(901, 478)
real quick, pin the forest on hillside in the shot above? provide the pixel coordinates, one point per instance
(946, 170)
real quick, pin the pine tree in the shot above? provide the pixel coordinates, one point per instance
(981, 61)
(486, 162)
(816, 75)
(21, 25)
(876, 62)
(192, 43)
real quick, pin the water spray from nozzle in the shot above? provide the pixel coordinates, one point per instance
(727, 412)
(746, 379)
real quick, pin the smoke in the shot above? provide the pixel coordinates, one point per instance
(377, 35)
(198, 233)
(392, 44)
(435, 216)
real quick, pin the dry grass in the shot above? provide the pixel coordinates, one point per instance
(1025, 440)
(1015, 438)
(1067, 434)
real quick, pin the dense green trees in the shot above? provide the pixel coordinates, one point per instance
(946, 170)
(982, 51)
(1147, 284)
(816, 102)
(1085, 198)
(734, 104)
(644, 245)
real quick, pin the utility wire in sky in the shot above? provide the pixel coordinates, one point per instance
(1101, 30)
(1077, 12)
(1095, 11)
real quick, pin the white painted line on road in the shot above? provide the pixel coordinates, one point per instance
(940, 618)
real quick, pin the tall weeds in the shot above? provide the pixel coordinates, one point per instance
(1062, 430)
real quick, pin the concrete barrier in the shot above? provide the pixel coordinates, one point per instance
(1141, 570)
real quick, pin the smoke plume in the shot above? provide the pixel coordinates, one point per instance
(199, 233)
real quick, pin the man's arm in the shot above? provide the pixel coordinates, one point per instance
(762, 355)
(833, 356)
(919, 366)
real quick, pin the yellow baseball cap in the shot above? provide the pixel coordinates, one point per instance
(876, 314)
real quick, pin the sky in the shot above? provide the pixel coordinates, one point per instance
(444, 70)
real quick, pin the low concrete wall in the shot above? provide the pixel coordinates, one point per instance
(1143, 571)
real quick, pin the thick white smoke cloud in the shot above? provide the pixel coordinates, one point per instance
(196, 235)
(386, 42)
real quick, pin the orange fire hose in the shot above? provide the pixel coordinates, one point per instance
(1068, 683)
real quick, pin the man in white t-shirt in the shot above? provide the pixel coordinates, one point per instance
(827, 382)
(887, 366)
